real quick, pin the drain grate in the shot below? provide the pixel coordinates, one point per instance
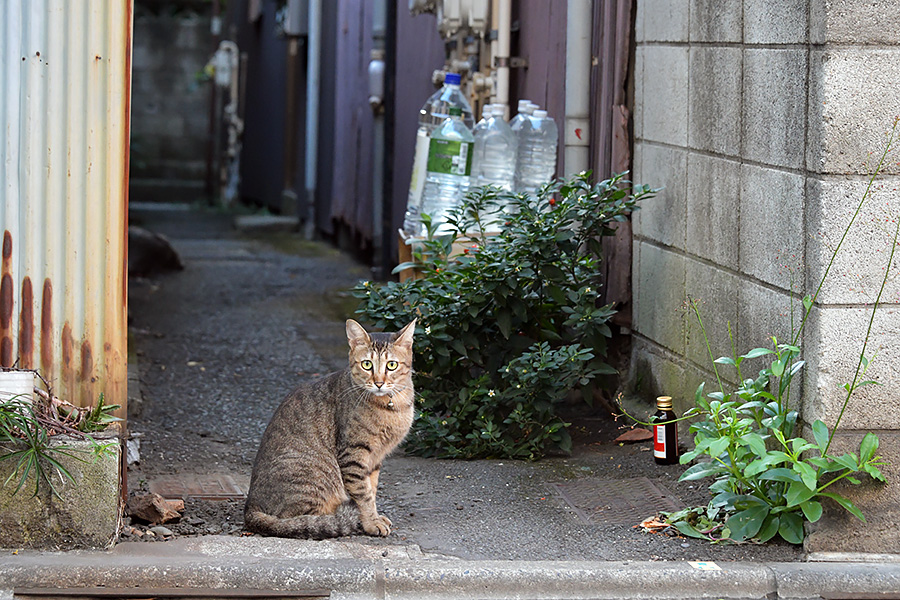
(615, 501)
(212, 487)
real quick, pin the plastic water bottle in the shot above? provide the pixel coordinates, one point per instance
(449, 170)
(538, 137)
(495, 151)
(432, 114)
(523, 111)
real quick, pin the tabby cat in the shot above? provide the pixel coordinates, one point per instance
(316, 471)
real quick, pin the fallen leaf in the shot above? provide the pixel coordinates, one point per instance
(638, 434)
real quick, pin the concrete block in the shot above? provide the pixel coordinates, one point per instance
(714, 111)
(834, 343)
(658, 308)
(713, 192)
(852, 106)
(715, 21)
(838, 530)
(638, 114)
(772, 233)
(84, 515)
(716, 292)
(858, 269)
(665, 94)
(774, 94)
(662, 20)
(655, 372)
(764, 313)
(663, 217)
(782, 22)
(854, 22)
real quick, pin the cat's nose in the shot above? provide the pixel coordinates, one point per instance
(378, 384)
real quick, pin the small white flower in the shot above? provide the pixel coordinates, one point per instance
(491, 393)
(427, 330)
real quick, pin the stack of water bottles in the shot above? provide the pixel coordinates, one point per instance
(518, 156)
(433, 116)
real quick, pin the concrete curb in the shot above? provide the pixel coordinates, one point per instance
(352, 570)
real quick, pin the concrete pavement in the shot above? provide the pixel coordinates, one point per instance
(478, 529)
(216, 565)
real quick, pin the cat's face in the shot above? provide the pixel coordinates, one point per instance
(381, 363)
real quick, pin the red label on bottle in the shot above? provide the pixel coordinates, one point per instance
(659, 441)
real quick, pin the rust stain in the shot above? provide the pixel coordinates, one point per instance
(87, 373)
(47, 327)
(26, 326)
(68, 349)
(6, 303)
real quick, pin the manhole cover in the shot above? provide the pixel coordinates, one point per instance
(615, 501)
(212, 487)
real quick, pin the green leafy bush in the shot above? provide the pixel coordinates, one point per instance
(512, 323)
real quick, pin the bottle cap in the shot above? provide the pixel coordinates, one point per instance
(540, 114)
(664, 402)
(523, 104)
(452, 78)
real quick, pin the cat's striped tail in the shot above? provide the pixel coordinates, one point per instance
(345, 521)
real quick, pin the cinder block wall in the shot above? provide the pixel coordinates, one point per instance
(761, 119)
(170, 106)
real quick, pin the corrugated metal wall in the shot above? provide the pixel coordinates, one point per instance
(64, 105)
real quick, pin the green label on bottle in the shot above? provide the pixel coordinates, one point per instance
(450, 157)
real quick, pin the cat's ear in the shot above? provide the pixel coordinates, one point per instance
(356, 335)
(404, 337)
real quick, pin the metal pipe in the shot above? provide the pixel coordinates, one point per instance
(578, 77)
(501, 59)
(388, 235)
(376, 99)
(312, 112)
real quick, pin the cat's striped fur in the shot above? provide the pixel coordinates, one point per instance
(316, 471)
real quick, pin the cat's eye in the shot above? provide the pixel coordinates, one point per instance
(366, 364)
(392, 365)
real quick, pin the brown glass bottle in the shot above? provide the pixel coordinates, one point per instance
(665, 432)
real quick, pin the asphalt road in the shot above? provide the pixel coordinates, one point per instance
(220, 343)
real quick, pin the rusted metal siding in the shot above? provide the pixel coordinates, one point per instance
(65, 72)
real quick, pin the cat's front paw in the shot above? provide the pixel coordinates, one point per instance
(380, 526)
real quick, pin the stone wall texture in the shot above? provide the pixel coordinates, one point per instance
(761, 121)
(170, 107)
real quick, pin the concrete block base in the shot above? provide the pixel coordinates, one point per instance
(84, 514)
(838, 530)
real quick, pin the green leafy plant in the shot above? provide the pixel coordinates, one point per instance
(769, 479)
(510, 323)
(27, 438)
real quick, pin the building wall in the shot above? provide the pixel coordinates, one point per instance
(761, 120)
(170, 112)
(64, 108)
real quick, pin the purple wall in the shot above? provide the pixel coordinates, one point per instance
(420, 51)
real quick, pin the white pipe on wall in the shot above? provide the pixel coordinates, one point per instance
(312, 111)
(576, 129)
(501, 58)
